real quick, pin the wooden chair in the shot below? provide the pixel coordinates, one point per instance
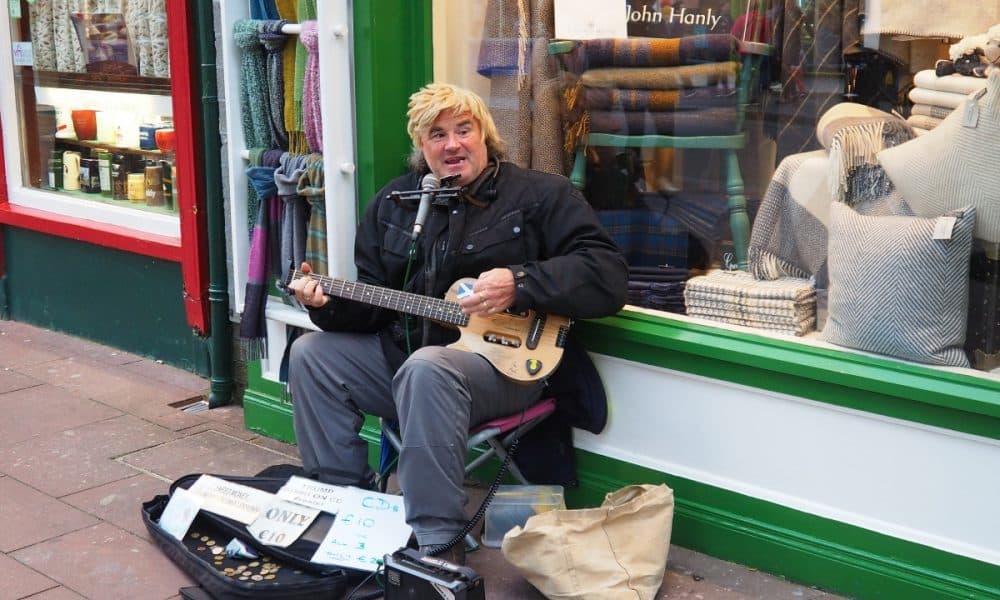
(750, 56)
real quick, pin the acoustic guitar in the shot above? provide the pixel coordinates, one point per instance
(524, 346)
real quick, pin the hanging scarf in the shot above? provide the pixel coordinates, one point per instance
(287, 11)
(311, 117)
(306, 12)
(254, 106)
(253, 324)
(274, 44)
(263, 9)
(294, 208)
(253, 201)
(311, 187)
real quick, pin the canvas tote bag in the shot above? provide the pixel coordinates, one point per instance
(616, 551)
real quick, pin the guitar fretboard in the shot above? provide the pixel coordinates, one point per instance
(406, 302)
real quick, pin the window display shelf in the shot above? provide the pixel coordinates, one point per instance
(94, 144)
(105, 82)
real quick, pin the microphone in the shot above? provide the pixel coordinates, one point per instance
(427, 184)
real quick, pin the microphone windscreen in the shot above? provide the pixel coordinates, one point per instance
(430, 182)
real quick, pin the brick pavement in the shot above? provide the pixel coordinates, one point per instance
(88, 433)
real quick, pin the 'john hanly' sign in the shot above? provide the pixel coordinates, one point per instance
(656, 18)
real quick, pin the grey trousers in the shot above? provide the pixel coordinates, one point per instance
(437, 395)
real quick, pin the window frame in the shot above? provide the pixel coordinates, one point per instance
(187, 242)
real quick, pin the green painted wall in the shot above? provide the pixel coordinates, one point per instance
(124, 300)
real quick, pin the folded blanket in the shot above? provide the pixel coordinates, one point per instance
(732, 297)
(741, 284)
(767, 306)
(789, 235)
(938, 112)
(798, 329)
(711, 121)
(937, 98)
(955, 83)
(645, 237)
(923, 121)
(659, 100)
(662, 78)
(855, 134)
(650, 52)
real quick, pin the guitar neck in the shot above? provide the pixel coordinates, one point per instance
(383, 297)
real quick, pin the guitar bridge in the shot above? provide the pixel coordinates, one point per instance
(501, 339)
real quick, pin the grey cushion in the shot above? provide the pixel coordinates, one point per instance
(896, 290)
(954, 164)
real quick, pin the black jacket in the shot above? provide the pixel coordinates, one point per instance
(535, 223)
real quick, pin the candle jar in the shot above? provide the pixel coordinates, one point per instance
(136, 187)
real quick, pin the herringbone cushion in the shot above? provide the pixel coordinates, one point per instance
(896, 290)
(954, 164)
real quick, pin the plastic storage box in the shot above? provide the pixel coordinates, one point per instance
(513, 504)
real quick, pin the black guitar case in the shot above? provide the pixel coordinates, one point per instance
(278, 573)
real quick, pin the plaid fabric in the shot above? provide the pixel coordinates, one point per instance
(659, 100)
(646, 238)
(311, 187)
(651, 52)
(662, 78)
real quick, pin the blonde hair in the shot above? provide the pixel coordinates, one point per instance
(427, 103)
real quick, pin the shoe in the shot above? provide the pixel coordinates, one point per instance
(454, 555)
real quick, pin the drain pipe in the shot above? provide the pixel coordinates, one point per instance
(220, 338)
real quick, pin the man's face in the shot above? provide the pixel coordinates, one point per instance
(454, 145)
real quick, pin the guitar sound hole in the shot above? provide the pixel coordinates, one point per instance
(503, 340)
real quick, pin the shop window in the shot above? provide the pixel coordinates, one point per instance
(719, 141)
(92, 91)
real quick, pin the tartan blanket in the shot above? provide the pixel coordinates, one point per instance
(711, 121)
(650, 52)
(662, 78)
(659, 100)
(646, 238)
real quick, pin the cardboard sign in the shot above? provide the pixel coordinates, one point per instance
(180, 512)
(281, 523)
(315, 494)
(239, 502)
(368, 526)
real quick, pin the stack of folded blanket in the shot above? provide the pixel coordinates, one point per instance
(660, 287)
(786, 305)
(643, 86)
(935, 97)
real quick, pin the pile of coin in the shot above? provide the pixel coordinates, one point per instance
(261, 569)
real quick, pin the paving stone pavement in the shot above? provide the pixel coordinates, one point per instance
(88, 433)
